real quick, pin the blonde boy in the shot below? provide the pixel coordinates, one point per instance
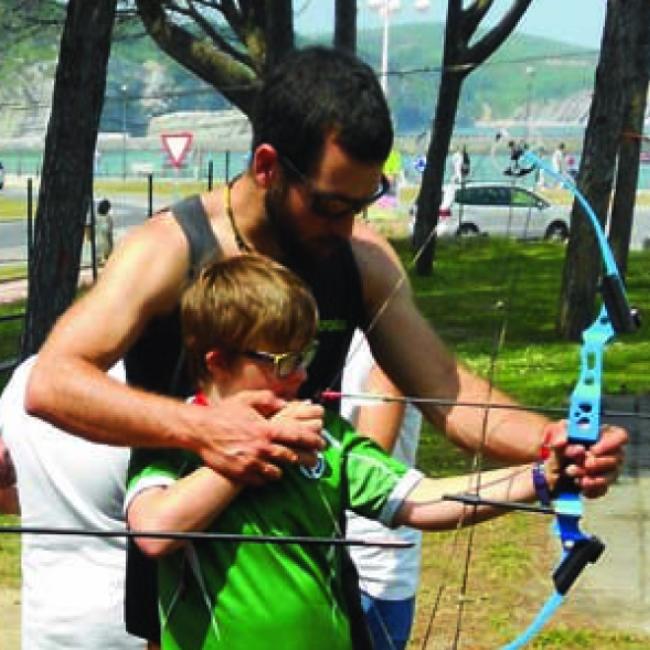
(251, 324)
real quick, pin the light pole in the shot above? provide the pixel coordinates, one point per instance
(124, 88)
(385, 8)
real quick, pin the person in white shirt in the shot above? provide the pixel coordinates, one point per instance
(72, 587)
(457, 166)
(388, 577)
(558, 160)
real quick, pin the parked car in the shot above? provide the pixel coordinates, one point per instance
(500, 209)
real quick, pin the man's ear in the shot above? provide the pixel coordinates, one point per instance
(265, 165)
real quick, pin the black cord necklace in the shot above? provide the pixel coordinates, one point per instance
(242, 244)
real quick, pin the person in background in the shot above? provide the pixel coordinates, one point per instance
(457, 166)
(388, 577)
(558, 160)
(72, 587)
(466, 165)
(104, 228)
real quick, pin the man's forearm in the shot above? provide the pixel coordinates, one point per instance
(233, 437)
(503, 434)
(80, 398)
(9, 501)
(7, 469)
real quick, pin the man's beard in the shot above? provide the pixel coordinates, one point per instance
(286, 234)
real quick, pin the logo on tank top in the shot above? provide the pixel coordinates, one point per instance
(332, 325)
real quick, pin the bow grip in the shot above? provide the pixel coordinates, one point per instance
(584, 551)
(623, 318)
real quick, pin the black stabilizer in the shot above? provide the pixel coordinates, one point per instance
(624, 319)
(586, 551)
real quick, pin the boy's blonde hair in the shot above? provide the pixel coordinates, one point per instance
(248, 302)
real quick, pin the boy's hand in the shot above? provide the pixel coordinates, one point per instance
(7, 471)
(593, 469)
(309, 415)
(244, 440)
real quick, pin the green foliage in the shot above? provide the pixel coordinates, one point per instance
(11, 209)
(496, 88)
(483, 288)
(10, 331)
(564, 637)
(13, 271)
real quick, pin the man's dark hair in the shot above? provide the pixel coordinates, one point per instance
(315, 91)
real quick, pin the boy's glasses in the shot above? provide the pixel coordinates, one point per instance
(285, 363)
(330, 205)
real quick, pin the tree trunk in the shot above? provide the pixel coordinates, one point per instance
(345, 25)
(66, 182)
(429, 197)
(461, 55)
(583, 261)
(627, 177)
(279, 31)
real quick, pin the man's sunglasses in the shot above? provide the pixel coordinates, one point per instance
(330, 205)
(284, 363)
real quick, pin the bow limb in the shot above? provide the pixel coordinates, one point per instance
(616, 316)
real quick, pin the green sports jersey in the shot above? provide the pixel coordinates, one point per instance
(255, 596)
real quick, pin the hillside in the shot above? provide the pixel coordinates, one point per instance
(528, 76)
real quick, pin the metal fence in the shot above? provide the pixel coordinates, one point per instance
(22, 253)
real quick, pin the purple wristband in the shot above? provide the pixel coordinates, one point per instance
(541, 484)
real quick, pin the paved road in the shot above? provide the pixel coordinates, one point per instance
(13, 234)
(127, 213)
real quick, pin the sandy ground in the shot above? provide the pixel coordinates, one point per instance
(10, 619)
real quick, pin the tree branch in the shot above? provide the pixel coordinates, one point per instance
(472, 17)
(216, 37)
(490, 42)
(235, 80)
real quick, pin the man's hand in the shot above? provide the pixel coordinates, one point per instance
(7, 470)
(596, 468)
(243, 441)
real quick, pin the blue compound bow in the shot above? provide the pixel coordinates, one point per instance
(615, 317)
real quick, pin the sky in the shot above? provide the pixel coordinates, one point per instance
(578, 22)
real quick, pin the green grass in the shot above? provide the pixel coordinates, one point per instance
(11, 209)
(9, 555)
(13, 271)
(167, 188)
(164, 190)
(10, 331)
(476, 286)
